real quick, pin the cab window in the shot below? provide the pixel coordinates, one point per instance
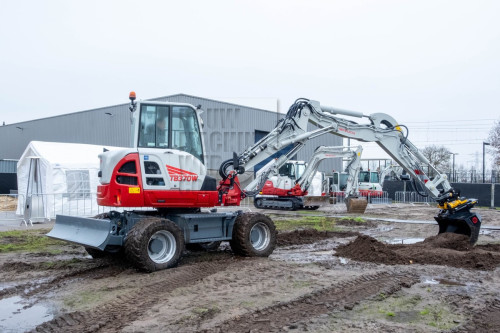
(170, 127)
(185, 131)
(153, 128)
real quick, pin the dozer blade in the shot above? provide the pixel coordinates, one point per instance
(356, 205)
(89, 232)
(315, 201)
(462, 222)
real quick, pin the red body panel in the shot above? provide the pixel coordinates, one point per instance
(230, 190)
(122, 195)
(269, 189)
(371, 193)
(115, 194)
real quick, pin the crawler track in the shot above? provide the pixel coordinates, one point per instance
(344, 295)
(113, 316)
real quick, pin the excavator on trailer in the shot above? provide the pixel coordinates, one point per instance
(282, 192)
(165, 172)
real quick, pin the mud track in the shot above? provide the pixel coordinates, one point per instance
(485, 321)
(100, 268)
(113, 316)
(292, 314)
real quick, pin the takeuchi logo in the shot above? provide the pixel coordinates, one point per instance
(179, 175)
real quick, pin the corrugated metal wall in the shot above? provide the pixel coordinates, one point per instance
(8, 166)
(228, 128)
(106, 126)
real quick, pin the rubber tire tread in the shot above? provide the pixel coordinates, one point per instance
(240, 242)
(136, 243)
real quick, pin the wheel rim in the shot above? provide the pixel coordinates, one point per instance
(162, 247)
(258, 202)
(260, 236)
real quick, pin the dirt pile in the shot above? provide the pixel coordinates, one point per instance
(308, 236)
(446, 249)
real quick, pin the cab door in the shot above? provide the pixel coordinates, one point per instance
(170, 147)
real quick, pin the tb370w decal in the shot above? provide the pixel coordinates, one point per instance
(179, 175)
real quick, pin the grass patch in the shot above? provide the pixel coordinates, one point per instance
(60, 263)
(27, 240)
(301, 284)
(83, 299)
(411, 310)
(206, 313)
(319, 223)
(355, 219)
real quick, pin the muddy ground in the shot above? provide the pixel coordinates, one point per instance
(328, 274)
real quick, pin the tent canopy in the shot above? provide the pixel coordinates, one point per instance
(50, 168)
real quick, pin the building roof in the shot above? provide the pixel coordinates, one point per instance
(149, 99)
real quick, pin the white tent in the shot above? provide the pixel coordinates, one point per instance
(58, 178)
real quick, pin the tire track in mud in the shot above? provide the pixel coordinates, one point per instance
(43, 284)
(344, 295)
(485, 321)
(125, 308)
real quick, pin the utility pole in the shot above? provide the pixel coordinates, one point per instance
(484, 144)
(453, 168)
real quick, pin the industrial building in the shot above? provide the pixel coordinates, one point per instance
(227, 128)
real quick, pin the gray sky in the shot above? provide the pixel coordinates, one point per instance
(433, 65)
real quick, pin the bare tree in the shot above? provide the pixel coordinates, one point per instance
(439, 156)
(494, 140)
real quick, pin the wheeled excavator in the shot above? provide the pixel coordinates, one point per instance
(282, 192)
(165, 173)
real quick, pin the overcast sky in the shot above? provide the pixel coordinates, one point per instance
(433, 65)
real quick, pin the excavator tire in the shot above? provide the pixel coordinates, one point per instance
(154, 244)
(254, 235)
(356, 205)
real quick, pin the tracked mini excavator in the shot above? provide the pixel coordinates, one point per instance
(280, 191)
(165, 171)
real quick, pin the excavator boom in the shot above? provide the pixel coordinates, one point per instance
(454, 214)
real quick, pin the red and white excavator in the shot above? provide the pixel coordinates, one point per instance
(165, 170)
(289, 190)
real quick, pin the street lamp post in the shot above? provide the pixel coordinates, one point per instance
(484, 144)
(453, 168)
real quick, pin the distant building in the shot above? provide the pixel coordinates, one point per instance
(227, 128)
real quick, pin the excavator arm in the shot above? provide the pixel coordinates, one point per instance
(322, 153)
(454, 216)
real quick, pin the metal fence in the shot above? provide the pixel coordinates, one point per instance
(45, 207)
(375, 199)
(412, 197)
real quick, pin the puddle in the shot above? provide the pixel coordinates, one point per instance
(16, 315)
(343, 260)
(431, 281)
(404, 240)
(6, 285)
(446, 282)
